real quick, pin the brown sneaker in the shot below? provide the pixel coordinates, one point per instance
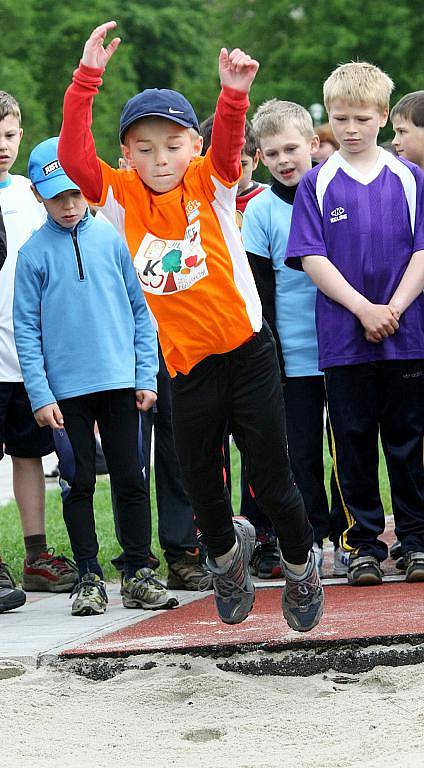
(186, 572)
(50, 573)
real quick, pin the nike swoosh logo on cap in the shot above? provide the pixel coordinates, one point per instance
(175, 111)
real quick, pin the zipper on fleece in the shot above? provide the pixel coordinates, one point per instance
(77, 254)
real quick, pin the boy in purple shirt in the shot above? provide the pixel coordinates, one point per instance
(358, 228)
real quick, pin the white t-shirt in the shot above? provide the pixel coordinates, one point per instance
(22, 215)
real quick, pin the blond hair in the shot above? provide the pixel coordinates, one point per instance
(274, 116)
(359, 82)
(9, 106)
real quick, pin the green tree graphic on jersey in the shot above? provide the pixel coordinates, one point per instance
(171, 263)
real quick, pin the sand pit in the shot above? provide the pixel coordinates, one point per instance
(184, 712)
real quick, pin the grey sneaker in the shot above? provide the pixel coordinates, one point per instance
(232, 583)
(303, 597)
(364, 571)
(144, 591)
(10, 595)
(414, 566)
(91, 598)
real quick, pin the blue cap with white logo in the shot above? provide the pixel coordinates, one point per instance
(45, 171)
(158, 102)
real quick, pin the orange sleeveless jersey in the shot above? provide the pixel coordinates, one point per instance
(189, 258)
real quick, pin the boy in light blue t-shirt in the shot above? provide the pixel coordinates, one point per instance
(285, 134)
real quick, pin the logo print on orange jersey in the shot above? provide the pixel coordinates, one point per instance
(192, 210)
(169, 266)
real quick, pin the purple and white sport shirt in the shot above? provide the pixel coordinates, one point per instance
(368, 226)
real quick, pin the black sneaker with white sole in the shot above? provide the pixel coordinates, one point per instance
(364, 571)
(414, 566)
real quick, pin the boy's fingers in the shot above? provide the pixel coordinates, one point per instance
(111, 48)
(103, 29)
(58, 416)
(223, 57)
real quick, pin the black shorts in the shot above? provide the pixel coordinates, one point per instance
(19, 432)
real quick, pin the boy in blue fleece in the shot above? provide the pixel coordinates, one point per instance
(88, 353)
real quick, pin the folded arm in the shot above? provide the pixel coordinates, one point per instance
(379, 320)
(411, 285)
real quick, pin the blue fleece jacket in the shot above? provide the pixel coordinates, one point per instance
(80, 318)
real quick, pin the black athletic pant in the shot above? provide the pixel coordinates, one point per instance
(177, 531)
(244, 388)
(118, 421)
(385, 397)
(305, 404)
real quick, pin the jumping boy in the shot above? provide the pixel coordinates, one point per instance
(266, 560)
(20, 435)
(88, 353)
(358, 227)
(287, 142)
(178, 213)
(407, 117)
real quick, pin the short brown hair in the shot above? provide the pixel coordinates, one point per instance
(274, 116)
(325, 133)
(9, 106)
(410, 107)
(359, 82)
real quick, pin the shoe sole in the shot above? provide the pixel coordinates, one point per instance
(88, 611)
(10, 605)
(365, 580)
(172, 602)
(38, 584)
(416, 575)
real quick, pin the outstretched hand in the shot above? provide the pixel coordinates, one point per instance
(237, 69)
(95, 54)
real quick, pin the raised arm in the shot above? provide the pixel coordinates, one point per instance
(77, 151)
(237, 71)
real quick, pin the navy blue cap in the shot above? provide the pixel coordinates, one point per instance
(158, 102)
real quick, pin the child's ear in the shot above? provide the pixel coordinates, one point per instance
(314, 144)
(36, 194)
(262, 158)
(255, 160)
(127, 156)
(197, 146)
(383, 117)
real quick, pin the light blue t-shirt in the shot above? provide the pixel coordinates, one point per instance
(265, 231)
